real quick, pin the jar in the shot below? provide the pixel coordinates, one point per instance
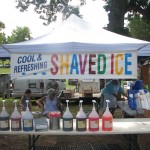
(54, 120)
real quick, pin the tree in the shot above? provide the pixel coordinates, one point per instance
(48, 9)
(19, 34)
(2, 34)
(139, 28)
(118, 8)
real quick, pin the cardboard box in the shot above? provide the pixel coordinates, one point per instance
(146, 113)
(144, 140)
(87, 92)
(69, 93)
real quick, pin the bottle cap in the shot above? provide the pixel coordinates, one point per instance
(107, 101)
(67, 101)
(3, 104)
(94, 101)
(15, 101)
(27, 101)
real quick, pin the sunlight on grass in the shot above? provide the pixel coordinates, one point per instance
(69, 86)
(5, 70)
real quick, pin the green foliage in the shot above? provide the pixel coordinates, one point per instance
(140, 28)
(118, 8)
(2, 38)
(2, 34)
(2, 26)
(48, 9)
(19, 34)
(69, 86)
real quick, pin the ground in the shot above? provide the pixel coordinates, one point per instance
(17, 142)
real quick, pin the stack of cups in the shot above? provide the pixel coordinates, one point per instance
(54, 120)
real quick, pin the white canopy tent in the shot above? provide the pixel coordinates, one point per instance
(4, 54)
(76, 36)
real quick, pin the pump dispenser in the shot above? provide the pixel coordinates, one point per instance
(81, 119)
(4, 119)
(107, 119)
(27, 119)
(93, 119)
(15, 119)
(67, 119)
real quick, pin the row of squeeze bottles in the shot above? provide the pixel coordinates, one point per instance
(67, 118)
(93, 119)
(16, 118)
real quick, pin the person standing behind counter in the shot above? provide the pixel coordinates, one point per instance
(49, 103)
(26, 96)
(112, 92)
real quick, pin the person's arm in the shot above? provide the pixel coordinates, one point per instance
(124, 94)
(39, 102)
(21, 103)
(60, 95)
(60, 107)
(30, 105)
(120, 94)
(119, 97)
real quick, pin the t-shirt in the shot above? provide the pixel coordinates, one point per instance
(108, 92)
(50, 105)
(111, 88)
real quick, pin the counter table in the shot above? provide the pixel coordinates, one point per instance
(124, 126)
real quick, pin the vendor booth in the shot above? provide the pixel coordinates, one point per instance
(76, 50)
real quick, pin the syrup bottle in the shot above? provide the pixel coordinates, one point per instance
(81, 119)
(67, 119)
(4, 119)
(93, 119)
(107, 119)
(15, 119)
(27, 119)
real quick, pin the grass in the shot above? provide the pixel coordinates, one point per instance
(69, 86)
(2, 69)
(5, 70)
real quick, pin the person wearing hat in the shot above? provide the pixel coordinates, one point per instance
(49, 103)
(112, 92)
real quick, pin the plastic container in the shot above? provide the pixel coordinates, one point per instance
(134, 105)
(107, 119)
(81, 123)
(138, 85)
(54, 120)
(27, 119)
(138, 101)
(15, 119)
(130, 96)
(67, 119)
(93, 119)
(4, 119)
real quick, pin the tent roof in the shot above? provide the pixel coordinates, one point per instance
(74, 34)
(145, 51)
(4, 54)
